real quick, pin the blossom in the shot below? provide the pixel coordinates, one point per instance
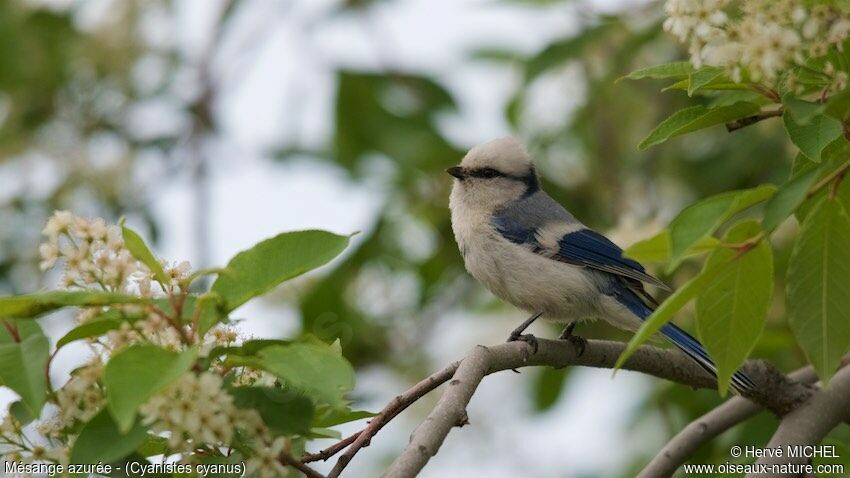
(701, 19)
(768, 48)
(94, 254)
(194, 412)
(265, 462)
(49, 253)
(757, 40)
(58, 223)
(195, 409)
(178, 273)
(81, 398)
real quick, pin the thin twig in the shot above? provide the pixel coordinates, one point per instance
(833, 176)
(767, 92)
(288, 460)
(396, 406)
(174, 324)
(330, 451)
(751, 120)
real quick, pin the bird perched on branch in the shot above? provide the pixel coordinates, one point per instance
(531, 252)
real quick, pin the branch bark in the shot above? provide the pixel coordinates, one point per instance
(397, 405)
(450, 411)
(812, 421)
(697, 433)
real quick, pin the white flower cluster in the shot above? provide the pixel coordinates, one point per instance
(196, 412)
(193, 411)
(79, 400)
(93, 252)
(757, 40)
(95, 256)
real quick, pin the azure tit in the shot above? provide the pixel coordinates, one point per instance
(531, 252)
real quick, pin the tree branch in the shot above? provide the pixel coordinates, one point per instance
(692, 437)
(813, 420)
(751, 120)
(481, 361)
(397, 405)
(288, 460)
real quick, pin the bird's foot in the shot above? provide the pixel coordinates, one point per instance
(527, 338)
(580, 343)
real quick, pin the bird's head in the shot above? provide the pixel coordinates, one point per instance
(494, 173)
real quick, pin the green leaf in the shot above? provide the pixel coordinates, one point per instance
(818, 287)
(675, 70)
(23, 363)
(99, 325)
(696, 118)
(314, 369)
(318, 432)
(802, 111)
(731, 310)
(257, 270)
(838, 105)
(136, 245)
(813, 137)
(716, 84)
(33, 305)
(284, 411)
(732, 97)
(21, 412)
(212, 312)
(786, 200)
(137, 373)
(153, 445)
(329, 417)
(100, 440)
(657, 248)
(701, 219)
(665, 312)
(833, 157)
(702, 77)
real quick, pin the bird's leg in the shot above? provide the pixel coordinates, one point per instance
(517, 333)
(579, 342)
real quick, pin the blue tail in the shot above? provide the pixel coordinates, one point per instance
(681, 339)
(693, 349)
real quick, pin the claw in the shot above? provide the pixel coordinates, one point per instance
(527, 338)
(580, 343)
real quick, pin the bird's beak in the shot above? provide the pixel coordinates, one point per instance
(456, 171)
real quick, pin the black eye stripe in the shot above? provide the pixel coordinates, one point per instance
(486, 173)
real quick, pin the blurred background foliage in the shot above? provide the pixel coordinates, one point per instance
(74, 135)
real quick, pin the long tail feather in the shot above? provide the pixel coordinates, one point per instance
(641, 304)
(693, 349)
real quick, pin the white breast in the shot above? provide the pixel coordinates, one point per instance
(517, 275)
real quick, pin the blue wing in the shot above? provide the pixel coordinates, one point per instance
(522, 221)
(590, 249)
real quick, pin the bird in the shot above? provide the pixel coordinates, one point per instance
(532, 253)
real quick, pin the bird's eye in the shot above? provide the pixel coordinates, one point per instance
(488, 173)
